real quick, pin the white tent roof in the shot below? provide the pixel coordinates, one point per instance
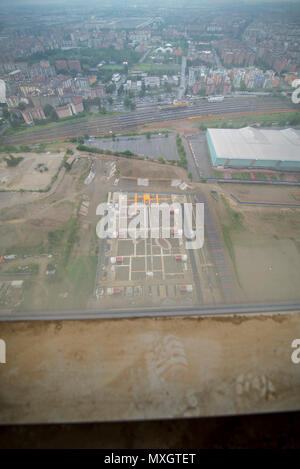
(256, 144)
(2, 92)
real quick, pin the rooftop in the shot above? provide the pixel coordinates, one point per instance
(258, 144)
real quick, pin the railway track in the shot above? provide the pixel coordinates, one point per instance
(152, 115)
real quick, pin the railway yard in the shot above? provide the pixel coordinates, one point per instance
(150, 114)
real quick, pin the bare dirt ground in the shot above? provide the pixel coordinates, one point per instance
(267, 254)
(25, 224)
(262, 193)
(150, 170)
(34, 172)
(264, 245)
(148, 368)
(26, 219)
(32, 229)
(268, 269)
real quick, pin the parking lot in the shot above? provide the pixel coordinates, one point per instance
(153, 147)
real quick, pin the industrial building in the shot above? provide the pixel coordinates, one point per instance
(255, 148)
(2, 92)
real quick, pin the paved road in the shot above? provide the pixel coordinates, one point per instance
(153, 312)
(198, 148)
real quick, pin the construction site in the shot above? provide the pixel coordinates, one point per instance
(49, 241)
(162, 271)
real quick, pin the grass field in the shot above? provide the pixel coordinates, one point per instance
(158, 68)
(113, 68)
(265, 120)
(218, 174)
(78, 280)
(240, 176)
(234, 223)
(73, 282)
(261, 176)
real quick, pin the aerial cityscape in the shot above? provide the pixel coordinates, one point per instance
(108, 112)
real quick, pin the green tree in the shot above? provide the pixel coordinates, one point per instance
(50, 112)
(142, 93)
(22, 106)
(12, 161)
(120, 90)
(110, 88)
(6, 114)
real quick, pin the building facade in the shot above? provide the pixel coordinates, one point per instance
(255, 148)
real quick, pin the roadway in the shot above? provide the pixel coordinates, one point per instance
(150, 114)
(242, 309)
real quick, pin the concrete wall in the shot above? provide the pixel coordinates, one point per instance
(271, 164)
(212, 152)
(238, 163)
(290, 165)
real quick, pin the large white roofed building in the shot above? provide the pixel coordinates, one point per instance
(2, 92)
(255, 148)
